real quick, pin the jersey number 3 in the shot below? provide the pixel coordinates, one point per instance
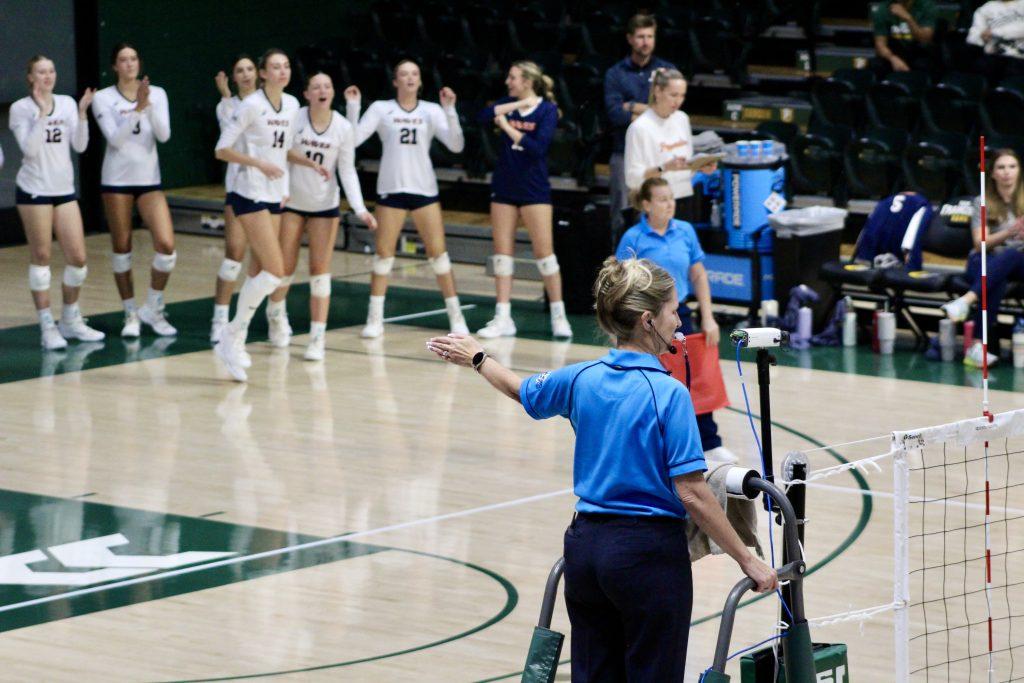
(278, 139)
(407, 136)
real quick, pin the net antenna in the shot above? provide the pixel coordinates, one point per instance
(985, 408)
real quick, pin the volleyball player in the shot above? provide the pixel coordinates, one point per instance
(133, 116)
(406, 183)
(262, 127)
(243, 73)
(46, 127)
(323, 142)
(520, 189)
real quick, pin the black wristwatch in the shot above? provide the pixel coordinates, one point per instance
(478, 360)
(661, 169)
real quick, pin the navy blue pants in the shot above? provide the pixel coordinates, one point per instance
(1004, 266)
(629, 592)
(706, 424)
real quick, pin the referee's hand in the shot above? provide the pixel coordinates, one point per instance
(761, 574)
(457, 349)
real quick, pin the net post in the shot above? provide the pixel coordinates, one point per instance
(901, 563)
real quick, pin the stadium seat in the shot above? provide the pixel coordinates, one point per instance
(717, 48)
(839, 99)
(932, 164)
(872, 163)
(952, 104)
(815, 162)
(1002, 109)
(583, 83)
(779, 131)
(895, 101)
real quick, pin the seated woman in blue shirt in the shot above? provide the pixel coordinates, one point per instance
(638, 473)
(673, 245)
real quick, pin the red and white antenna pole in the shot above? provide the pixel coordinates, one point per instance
(985, 410)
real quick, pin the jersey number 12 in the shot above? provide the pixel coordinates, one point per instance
(53, 134)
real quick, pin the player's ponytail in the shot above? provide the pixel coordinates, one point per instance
(543, 85)
(624, 290)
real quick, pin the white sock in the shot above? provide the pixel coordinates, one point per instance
(70, 312)
(275, 308)
(454, 307)
(557, 309)
(129, 306)
(45, 317)
(155, 299)
(252, 293)
(503, 309)
(376, 307)
(220, 312)
(317, 329)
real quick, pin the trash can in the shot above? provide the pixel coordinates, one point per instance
(582, 241)
(805, 239)
(751, 192)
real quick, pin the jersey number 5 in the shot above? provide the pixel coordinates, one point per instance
(407, 136)
(278, 139)
(53, 134)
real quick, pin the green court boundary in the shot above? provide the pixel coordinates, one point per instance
(511, 600)
(867, 506)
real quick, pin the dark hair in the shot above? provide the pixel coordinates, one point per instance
(32, 62)
(641, 20)
(117, 50)
(239, 58)
(267, 55)
(310, 76)
(405, 60)
(646, 191)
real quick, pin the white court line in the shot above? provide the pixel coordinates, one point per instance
(913, 499)
(290, 549)
(426, 314)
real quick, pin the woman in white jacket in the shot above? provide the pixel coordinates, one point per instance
(997, 27)
(659, 143)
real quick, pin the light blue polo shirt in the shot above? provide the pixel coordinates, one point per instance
(635, 430)
(675, 251)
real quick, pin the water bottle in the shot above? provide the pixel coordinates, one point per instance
(716, 215)
(947, 339)
(849, 323)
(968, 335)
(802, 338)
(886, 332)
(1018, 344)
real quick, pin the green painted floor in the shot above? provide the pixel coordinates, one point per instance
(23, 358)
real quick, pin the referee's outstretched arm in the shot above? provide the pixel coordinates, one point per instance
(466, 351)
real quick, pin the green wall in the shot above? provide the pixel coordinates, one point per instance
(183, 44)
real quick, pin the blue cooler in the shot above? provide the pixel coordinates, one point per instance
(751, 191)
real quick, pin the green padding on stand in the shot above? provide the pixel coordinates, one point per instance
(542, 660)
(830, 665)
(715, 677)
(799, 655)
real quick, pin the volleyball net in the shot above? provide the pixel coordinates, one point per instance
(957, 606)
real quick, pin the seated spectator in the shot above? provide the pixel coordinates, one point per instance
(673, 245)
(903, 36)
(998, 29)
(659, 143)
(1004, 200)
(627, 85)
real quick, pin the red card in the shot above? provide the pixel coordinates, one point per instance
(707, 386)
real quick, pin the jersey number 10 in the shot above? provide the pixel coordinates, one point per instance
(407, 136)
(315, 157)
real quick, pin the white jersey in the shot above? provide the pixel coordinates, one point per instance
(265, 133)
(131, 157)
(225, 108)
(334, 149)
(46, 140)
(405, 136)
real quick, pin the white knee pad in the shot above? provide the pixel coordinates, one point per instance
(39, 278)
(74, 276)
(548, 265)
(441, 265)
(121, 263)
(229, 270)
(383, 266)
(266, 283)
(165, 262)
(503, 264)
(320, 285)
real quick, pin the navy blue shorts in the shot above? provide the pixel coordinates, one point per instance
(243, 205)
(497, 199)
(404, 200)
(135, 191)
(328, 213)
(22, 197)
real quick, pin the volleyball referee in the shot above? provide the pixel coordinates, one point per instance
(637, 472)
